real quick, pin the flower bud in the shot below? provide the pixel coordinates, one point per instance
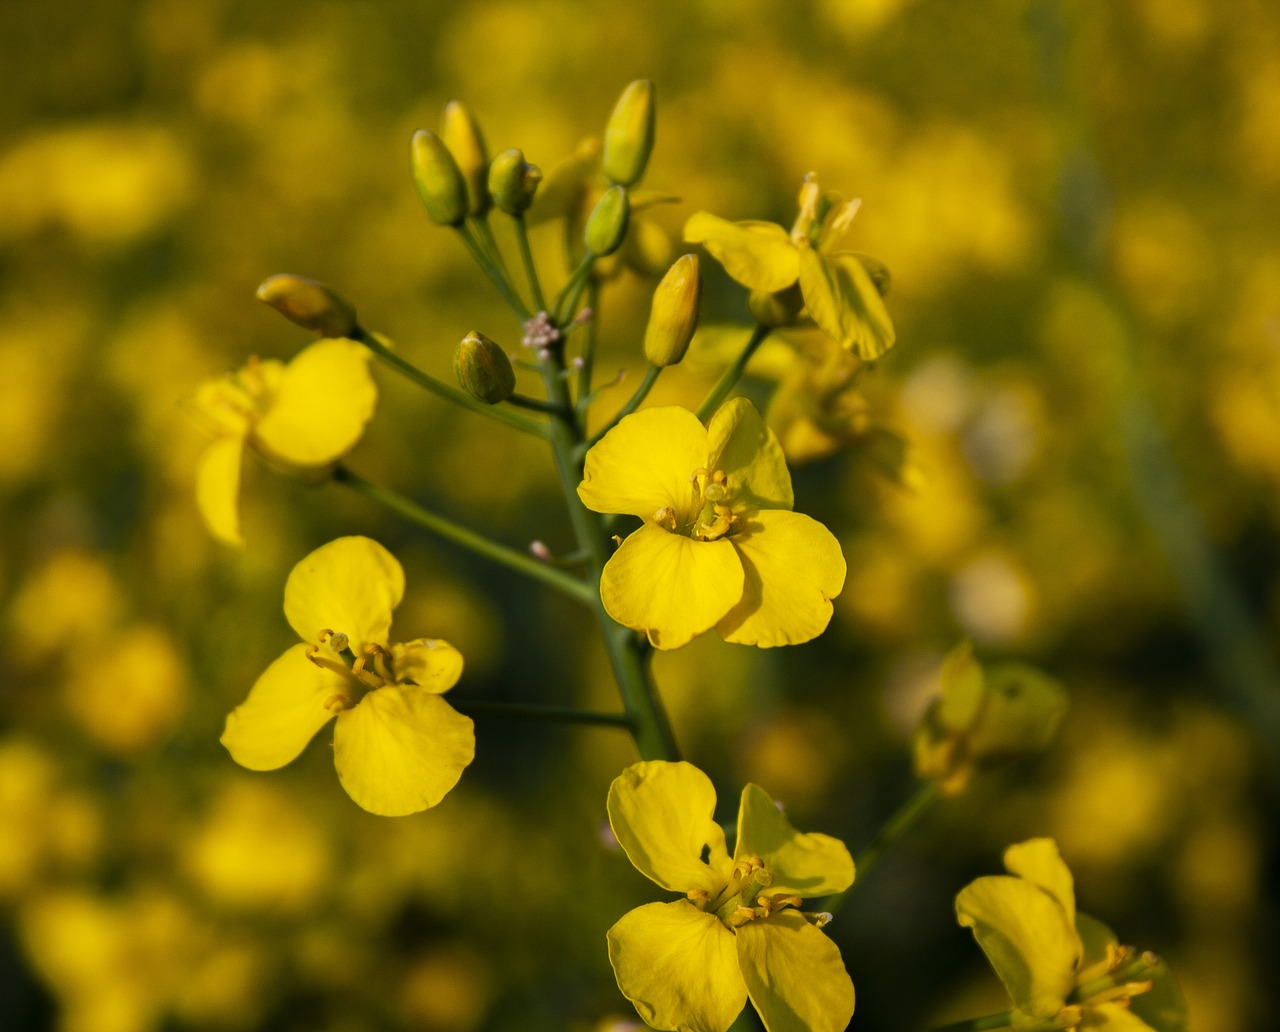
(461, 135)
(310, 304)
(439, 180)
(628, 138)
(513, 181)
(483, 369)
(607, 224)
(673, 315)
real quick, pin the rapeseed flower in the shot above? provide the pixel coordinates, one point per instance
(303, 416)
(397, 745)
(691, 964)
(840, 290)
(719, 546)
(1063, 970)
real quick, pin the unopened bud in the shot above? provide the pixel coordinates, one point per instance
(309, 304)
(673, 315)
(439, 180)
(628, 138)
(513, 181)
(776, 309)
(460, 133)
(483, 369)
(607, 224)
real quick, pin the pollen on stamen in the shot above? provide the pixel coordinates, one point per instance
(337, 641)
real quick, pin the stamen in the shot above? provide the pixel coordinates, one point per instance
(665, 517)
(336, 640)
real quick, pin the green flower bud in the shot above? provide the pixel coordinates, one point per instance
(483, 369)
(780, 309)
(983, 716)
(607, 223)
(462, 136)
(309, 304)
(439, 180)
(628, 138)
(673, 315)
(513, 181)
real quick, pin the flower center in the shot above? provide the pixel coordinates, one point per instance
(745, 899)
(363, 673)
(711, 495)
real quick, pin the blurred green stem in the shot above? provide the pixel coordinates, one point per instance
(567, 300)
(495, 274)
(992, 1021)
(469, 539)
(529, 711)
(733, 374)
(530, 269)
(894, 828)
(588, 354)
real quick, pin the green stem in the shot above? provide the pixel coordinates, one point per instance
(530, 268)
(733, 374)
(894, 828)
(649, 725)
(532, 711)
(992, 1021)
(567, 299)
(588, 354)
(494, 273)
(469, 539)
(642, 392)
(444, 390)
(484, 235)
(534, 404)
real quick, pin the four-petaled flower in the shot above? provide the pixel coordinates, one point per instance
(398, 746)
(1063, 969)
(719, 546)
(839, 289)
(303, 416)
(689, 965)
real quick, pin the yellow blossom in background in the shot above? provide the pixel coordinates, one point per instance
(304, 416)
(398, 746)
(1063, 970)
(839, 289)
(719, 546)
(690, 965)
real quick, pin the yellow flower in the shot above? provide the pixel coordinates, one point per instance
(719, 546)
(1063, 970)
(690, 965)
(303, 416)
(398, 746)
(840, 289)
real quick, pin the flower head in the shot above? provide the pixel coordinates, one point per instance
(739, 932)
(841, 290)
(304, 416)
(1063, 969)
(398, 746)
(719, 546)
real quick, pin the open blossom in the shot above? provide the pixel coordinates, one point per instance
(304, 415)
(719, 546)
(1063, 970)
(397, 745)
(837, 288)
(691, 964)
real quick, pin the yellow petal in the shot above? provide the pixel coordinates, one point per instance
(1038, 861)
(669, 586)
(843, 300)
(793, 567)
(644, 463)
(324, 401)
(794, 975)
(349, 586)
(400, 750)
(663, 815)
(678, 966)
(759, 255)
(1024, 933)
(427, 662)
(805, 865)
(284, 710)
(743, 447)
(218, 489)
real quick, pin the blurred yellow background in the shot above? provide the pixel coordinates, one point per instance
(1078, 202)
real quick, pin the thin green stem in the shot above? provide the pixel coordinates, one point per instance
(495, 274)
(733, 374)
(567, 299)
(588, 353)
(535, 404)
(992, 1021)
(469, 539)
(484, 236)
(530, 267)
(444, 390)
(642, 392)
(894, 828)
(532, 711)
